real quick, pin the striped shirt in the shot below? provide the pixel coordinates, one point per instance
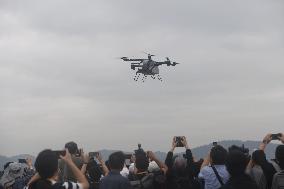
(65, 185)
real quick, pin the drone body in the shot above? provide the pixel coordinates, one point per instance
(147, 67)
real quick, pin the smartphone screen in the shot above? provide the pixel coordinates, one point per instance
(178, 140)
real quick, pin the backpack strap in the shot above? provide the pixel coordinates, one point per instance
(217, 175)
(276, 166)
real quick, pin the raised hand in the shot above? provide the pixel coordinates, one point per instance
(265, 141)
(267, 138)
(282, 138)
(184, 142)
(99, 157)
(29, 162)
(86, 158)
(67, 158)
(174, 144)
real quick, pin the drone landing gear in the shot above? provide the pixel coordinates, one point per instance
(159, 78)
(136, 77)
(144, 77)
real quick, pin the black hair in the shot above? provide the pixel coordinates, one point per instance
(94, 171)
(279, 155)
(258, 157)
(116, 160)
(141, 162)
(72, 147)
(236, 162)
(218, 155)
(46, 164)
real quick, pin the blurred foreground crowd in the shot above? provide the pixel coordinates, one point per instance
(71, 168)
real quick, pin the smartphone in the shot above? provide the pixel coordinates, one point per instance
(276, 136)
(22, 160)
(93, 154)
(178, 140)
(59, 153)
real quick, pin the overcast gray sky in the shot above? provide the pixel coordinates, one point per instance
(60, 79)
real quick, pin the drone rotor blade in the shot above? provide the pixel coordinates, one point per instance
(123, 57)
(148, 53)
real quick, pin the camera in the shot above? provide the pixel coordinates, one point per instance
(276, 136)
(178, 141)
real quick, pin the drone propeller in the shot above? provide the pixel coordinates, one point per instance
(168, 61)
(148, 53)
(175, 63)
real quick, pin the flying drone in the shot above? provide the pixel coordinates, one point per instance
(147, 67)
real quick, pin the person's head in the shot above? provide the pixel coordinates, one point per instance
(218, 155)
(179, 164)
(141, 162)
(236, 162)
(279, 155)
(72, 147)
(94, 170)
(116, 160)
(258, 157)
(46, 164)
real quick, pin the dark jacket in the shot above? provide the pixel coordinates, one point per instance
(145, 181)
(268, 171)
(241, 182)
(114, 181)
(182, 179)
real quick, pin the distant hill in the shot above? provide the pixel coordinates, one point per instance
(202, 151)
(198, 152)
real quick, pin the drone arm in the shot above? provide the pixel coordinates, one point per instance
(161, 63)
(168, 63)
(133, 59)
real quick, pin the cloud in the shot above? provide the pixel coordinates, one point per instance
(60, 79)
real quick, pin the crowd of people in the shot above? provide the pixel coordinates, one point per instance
(232, 168)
